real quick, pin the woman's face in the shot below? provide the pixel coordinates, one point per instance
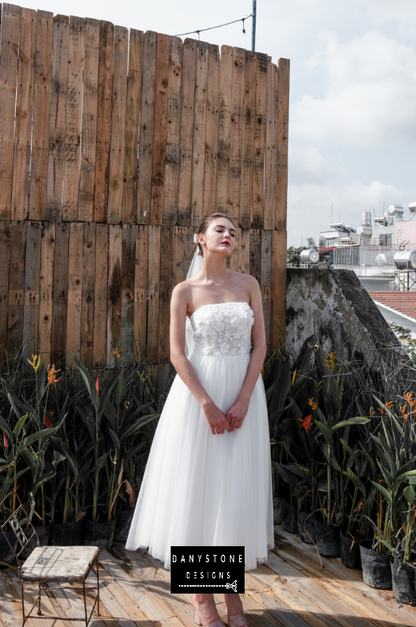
(219, 236)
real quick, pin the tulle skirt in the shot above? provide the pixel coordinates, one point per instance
(201, 489)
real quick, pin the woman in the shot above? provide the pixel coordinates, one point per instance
(208, 478)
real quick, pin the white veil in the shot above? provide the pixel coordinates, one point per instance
(194, 268)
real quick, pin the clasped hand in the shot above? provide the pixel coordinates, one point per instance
(219, 422)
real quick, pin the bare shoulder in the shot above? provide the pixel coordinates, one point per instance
(181, 293)
(248, 282)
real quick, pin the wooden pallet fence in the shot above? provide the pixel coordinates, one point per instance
(88, 289)
(114, 144)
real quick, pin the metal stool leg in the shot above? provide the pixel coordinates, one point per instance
(98, 587)
(40, 598)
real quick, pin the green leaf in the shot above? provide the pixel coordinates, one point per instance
(332, 396)
(115, 439)
(409, 494)
(383, 491)
(35, 437)
(326, 432)
(358, 420)
(19, 426)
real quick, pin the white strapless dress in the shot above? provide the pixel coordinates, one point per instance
(201, 489)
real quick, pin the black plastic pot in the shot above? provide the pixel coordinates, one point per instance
(277, 510)
(349, 550)
(44, 533)
(289, 517)
(306, 527)
(99, 533)
(6, 553)
(68, 534)
(376, 567)
(327, 538)
(403, 580)
(123, 522)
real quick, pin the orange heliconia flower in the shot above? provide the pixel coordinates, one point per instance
(306, 422)
(97, 385)
(47, 422)
(330, 362)
(389, 405)
(52, 372)
(312, 404)
(117, 352)
(5, 442)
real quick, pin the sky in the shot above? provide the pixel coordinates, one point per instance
(352, 116)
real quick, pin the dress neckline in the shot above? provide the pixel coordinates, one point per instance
(233, 302)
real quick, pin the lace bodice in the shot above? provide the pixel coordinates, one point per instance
(223, 328)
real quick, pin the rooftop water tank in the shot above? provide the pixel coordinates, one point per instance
(365, 218)
(412, 207)
(364, 231)
(405, 260)
(309, 256)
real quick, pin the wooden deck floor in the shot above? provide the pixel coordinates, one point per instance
(291, 590)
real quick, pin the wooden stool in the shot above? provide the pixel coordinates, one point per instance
(61, 564)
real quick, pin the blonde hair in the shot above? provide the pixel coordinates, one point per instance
(205, 224)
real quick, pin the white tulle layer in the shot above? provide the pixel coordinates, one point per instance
(201, 489)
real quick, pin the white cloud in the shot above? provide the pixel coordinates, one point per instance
(308, 165)
(370, 95)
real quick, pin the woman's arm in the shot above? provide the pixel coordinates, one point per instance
(217, 421)
(238, 411)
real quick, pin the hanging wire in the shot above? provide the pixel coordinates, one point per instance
(203, 30)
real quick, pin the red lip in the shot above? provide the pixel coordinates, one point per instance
(226, 243)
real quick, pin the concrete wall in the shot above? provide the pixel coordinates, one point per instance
(334, 305)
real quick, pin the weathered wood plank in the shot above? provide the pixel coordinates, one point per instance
(114, 290)
(282, 142)
(5, 241)
(224, 130)
(200, 123)
(57, 120)
(278, 316)
(89, 120)
(234, 261)
(10, 34)
(127, 288)
(165, 291)
(244, 251)
(178, 255)
(41, 111)
(104, 108)
(100, 296)
(73, 119)
(172, 161)
(255, 258)
(15, 316)
(73, 328)
(270, 155)
(147, 125)
(60, 294)
(134, 94)
(24, 105)
(153, 293)
(259, 141)
(189, 249)
(266, 279)
(190, 54)
(236, 117)
(32, 284)
(88, 289)
(160, 130)
(249, 106)
(140, 291)
(211, 133)
(46, 290)
(118, 126)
